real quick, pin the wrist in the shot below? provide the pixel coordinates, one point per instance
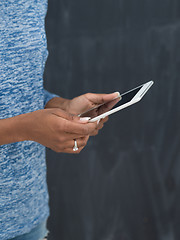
(19, 126)
(22, 127)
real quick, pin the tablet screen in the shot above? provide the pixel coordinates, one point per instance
(126, 97)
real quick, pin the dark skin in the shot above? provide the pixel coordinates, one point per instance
(56, 126)
(81, 104)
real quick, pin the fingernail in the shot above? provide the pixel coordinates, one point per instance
(118, 94)
(84, 119)
(98, 121)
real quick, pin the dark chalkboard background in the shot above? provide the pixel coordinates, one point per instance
(126, 184)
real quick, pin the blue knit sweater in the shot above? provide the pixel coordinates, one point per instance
(23, 53)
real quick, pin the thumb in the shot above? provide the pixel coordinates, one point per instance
(102, 98)
(69, 117)
(79, 119)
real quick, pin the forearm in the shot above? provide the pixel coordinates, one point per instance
(19, 128)
(12, 130)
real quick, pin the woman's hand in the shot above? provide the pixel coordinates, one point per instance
(83, 103)
(55, 129)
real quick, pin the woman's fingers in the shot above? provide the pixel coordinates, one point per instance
(73, 127)
(99, 126)
(70, 150)
(81, 142)
(102, 121)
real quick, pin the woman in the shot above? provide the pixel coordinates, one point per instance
(32, 119)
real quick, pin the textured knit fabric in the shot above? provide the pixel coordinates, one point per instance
(37, 233)
(23, 53)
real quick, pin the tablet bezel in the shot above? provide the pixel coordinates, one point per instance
(139, 95)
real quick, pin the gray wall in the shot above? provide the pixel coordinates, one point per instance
(126, 184)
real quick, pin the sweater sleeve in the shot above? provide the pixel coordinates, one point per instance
(48, 96)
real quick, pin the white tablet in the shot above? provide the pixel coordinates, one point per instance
(126, 99)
